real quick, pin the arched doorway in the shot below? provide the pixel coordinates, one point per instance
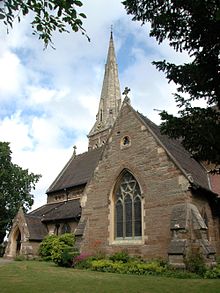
(18, 243)
(15, 246)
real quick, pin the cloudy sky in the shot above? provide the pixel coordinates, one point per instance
(49, 98)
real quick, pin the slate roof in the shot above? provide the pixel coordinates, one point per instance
(66, 210)
(39, 212)
(195, 172)
(36, 229)
(77, 171)
(50, 212)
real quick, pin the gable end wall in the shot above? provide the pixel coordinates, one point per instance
(162, 185)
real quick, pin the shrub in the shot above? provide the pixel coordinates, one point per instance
(67, 239)
(64, 255)
(46, 247)
(59, 249)
(122, 256)
(213, 273)
(195, 263)
(180, 274)
(105, 265)
(132, 267)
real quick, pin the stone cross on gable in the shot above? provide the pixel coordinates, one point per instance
(125, 93)
(74, 151)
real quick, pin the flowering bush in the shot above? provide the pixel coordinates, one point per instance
(82, 261)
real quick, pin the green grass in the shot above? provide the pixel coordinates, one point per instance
(34, 276)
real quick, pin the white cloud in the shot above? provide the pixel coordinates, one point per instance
(49, 98)
(12, 74)
(15, 131)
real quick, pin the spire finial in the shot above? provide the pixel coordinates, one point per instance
(111, 31)
(125, 93)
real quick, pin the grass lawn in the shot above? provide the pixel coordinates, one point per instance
(34, 276)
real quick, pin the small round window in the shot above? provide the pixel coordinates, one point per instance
(126, 141)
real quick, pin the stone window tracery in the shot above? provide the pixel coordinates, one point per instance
(128, 219)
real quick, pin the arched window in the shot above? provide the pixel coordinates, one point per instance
(66, 228)
(128, 224)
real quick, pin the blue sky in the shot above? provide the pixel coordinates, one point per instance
(49, 98)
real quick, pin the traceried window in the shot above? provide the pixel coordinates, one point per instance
(128, 208)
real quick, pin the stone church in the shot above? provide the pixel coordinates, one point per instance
(134, 190)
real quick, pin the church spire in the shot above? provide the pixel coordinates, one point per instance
(110, 100)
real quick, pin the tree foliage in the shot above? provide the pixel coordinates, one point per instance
(193, 26)
(48, 16)
(15, 189)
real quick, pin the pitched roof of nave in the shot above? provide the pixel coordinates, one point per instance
(194, 171)
(77, 171)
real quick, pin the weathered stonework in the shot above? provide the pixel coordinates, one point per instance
(110, 101)
(179, 209)
(163, 186)
(66, 194)
(19, 239)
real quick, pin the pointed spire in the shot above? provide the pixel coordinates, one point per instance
(110, 100)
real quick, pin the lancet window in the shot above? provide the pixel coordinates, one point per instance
(128, 218)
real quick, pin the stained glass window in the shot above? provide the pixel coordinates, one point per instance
(128, 224)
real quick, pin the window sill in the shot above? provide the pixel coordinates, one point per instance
(128, 242)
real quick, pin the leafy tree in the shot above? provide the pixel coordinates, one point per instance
(194, 26)
(15, 189)
(48, 16)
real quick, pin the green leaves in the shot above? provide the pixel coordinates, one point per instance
(193, 26)
(48, 16)
(15, 188)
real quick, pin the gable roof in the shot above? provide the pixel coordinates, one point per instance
(77, 171)
(193, 170)
(37, 230)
